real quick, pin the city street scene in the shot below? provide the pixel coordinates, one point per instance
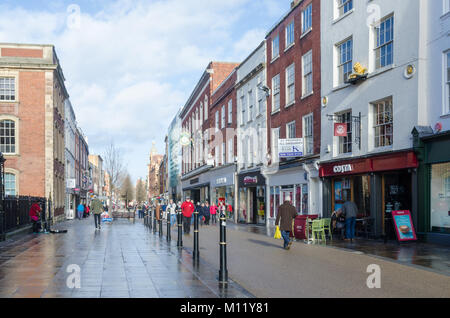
(236, 150)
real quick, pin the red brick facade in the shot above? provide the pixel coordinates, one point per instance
(302, 45)
(13, 52)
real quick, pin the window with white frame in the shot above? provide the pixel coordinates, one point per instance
(307, 19)
(276, 93)
(201, 114)
(345, 58)
(249, 150)
(230, 150)
(250, 105)
(224, 154)
(307, 69)
(261, 101)
(206, 107)
(344, 6)
(308, 134)
(275, 138)
(10, 184)
(8, 136)
(447, 83)
(384, 123)
(259, 133)
(384, 49)
(230, 111)
(243, 150)
(276, 46)
(446, 4)
(216, 155)
(290, 130)
(7, 89)
(243, 109)
(290, 84)
(290, 37)
(346, 143)
(223, 117)
(217, 121)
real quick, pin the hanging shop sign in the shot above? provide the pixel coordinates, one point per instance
(340, 130)
(404, 227)
(288, 148)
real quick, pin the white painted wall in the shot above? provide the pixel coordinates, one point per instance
(381, 83)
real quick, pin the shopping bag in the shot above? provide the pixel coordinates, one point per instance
(277, 235)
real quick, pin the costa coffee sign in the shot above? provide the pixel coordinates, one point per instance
(343, 168)
(250, 180)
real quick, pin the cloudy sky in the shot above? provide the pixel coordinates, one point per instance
(130, 65)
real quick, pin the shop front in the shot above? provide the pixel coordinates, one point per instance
(433, 152)
(252, 198)
(378, 185)
(223, 188)
(300, 182)
(197, 188)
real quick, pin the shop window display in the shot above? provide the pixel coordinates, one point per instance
(440, 198)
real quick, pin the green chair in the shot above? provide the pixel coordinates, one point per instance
(318, 228)
(327, 227)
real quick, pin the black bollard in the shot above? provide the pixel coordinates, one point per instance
(223, 272)
(160, 227)
(196, 252)
(149, 219)
(180, 228)
(169, 238)
(154, 220)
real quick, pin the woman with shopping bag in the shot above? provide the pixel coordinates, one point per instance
(286, 214)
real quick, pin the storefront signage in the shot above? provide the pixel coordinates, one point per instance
(343, 168)
(250, 180)
(221, 181)
(288, 148)
(340, 130)
(71, 183)
(194, 181)
(404, 227)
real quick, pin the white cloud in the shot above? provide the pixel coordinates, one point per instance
(132, 65)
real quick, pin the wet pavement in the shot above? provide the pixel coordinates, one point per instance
(429, 256)
(123, 260)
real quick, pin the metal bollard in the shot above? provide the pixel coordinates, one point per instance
(180, 229)
(169, 238)
(160, 227)
(223, 272)
(196, 252)
(154, 220)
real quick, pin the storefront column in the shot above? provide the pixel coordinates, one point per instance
(326, 197)
(376, 203)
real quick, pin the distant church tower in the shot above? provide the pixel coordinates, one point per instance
(153, 172)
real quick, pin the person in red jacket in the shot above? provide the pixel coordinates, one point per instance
(187, 208)
(34, 213)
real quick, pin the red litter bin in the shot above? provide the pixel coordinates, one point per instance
(300, 226)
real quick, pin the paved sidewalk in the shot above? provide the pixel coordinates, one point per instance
(122, 260)
(259, 264)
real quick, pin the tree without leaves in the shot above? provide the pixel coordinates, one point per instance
(114, 166)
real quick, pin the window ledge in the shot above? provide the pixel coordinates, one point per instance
(275, 58)
(445, 115)
(250, 121)
(275, 112)
(306, 33)
(289, 47)
(445, 15)
(343, 16)
(307, 95)
(380, 149)
(9, 101)
(341, 86)
(381, 71)
(259, 115)
(290, 104)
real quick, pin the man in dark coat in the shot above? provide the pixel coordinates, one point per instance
(286, 214)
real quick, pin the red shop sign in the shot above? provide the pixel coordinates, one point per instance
(390, 162)
(340, 130)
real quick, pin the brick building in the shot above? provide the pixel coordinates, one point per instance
(32, 105)
(153, 181)
(293, 109)
(196, 120)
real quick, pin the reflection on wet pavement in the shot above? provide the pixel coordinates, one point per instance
(124, 260)
(431, 256)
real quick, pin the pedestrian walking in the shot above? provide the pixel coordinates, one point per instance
(80, 210)
(285, 217)
(97, 210)
(349, 211)
(213, 212)
(207, 213)
(158, 211)
(35, 214)
(88, 210)
(187, 208)
(171, 211)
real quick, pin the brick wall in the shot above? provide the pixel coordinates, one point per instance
(303, 45)
(27, 53)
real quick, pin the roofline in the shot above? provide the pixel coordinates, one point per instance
(252, 53)
(223, 82)
(283, 17)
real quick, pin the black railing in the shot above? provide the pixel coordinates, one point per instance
(17, 211)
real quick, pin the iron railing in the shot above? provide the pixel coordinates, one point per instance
(17, 211)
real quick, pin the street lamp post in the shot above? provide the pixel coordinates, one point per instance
(223, 272)
(180, 229)
(196, 253)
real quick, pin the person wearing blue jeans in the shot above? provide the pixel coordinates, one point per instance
(350, 224)
(350, 211)
(285, 217)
